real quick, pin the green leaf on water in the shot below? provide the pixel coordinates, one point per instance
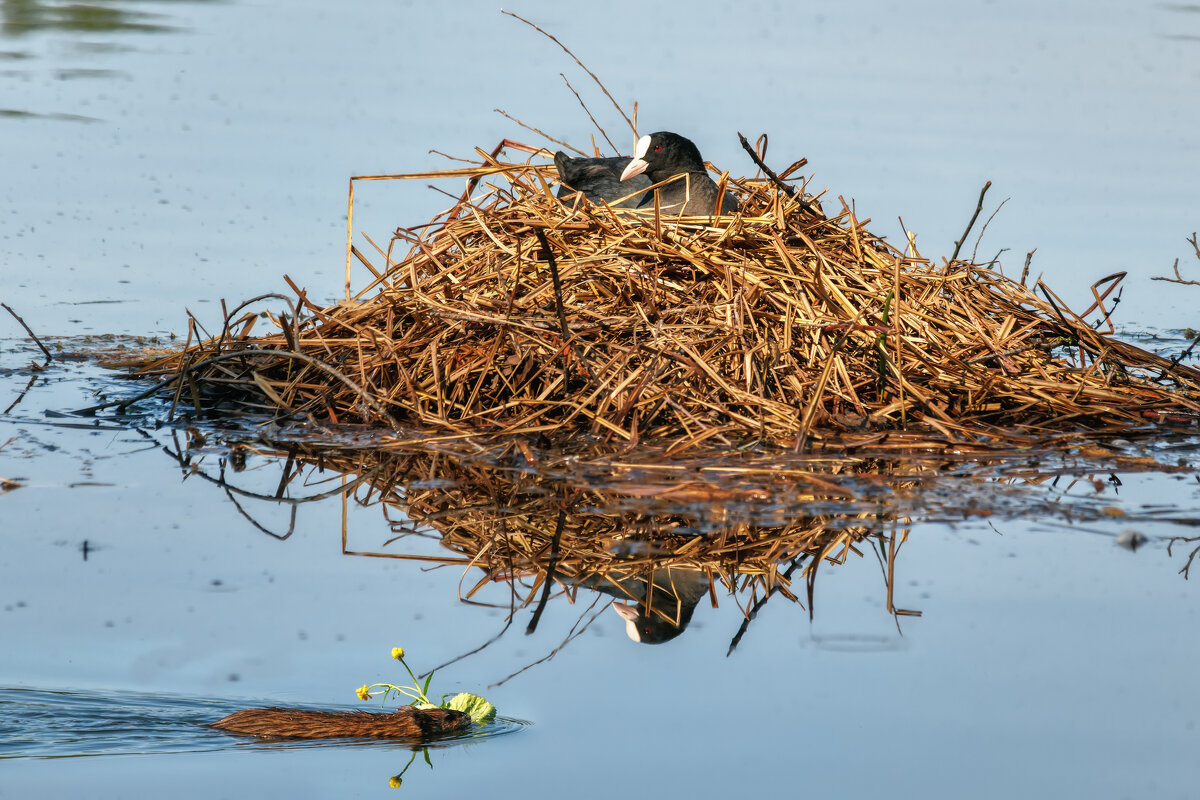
(481, 711)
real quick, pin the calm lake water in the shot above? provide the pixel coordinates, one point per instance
(161, 156)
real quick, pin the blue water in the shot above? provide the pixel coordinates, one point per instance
(177, 153)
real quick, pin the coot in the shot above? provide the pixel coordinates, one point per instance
(673, 593)
(666, 155)
(598, 179)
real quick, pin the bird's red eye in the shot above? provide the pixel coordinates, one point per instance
(657, 147)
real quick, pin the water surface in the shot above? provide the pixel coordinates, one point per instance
(162, 156)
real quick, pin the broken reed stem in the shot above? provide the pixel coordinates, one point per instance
(32, 335)
(551, 566)
(1028, 261)
(790, 190)
(978, 207)
(568, 337)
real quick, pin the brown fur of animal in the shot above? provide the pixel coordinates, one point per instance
(405, 722)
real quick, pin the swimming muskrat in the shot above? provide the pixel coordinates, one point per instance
(406, 722)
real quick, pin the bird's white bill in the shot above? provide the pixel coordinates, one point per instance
(635, 167)
(627, 613)
(630, 615)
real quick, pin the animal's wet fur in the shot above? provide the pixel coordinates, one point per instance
(405, 722)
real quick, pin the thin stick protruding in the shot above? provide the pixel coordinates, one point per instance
(567, 50)
(32, 335)
(978, 207)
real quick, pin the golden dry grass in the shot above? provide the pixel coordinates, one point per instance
(515, 313)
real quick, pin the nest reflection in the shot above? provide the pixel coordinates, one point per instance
(655, 537)
(656, 544)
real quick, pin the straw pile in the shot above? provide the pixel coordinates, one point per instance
(516, 313)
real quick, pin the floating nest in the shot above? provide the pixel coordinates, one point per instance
(517, 313)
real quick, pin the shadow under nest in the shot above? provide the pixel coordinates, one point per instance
(517, 313)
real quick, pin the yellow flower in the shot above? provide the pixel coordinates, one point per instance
(395, 781)
(364, 693)
(397, 653)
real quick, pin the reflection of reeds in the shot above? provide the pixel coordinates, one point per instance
(510, 530)
(778, 323)
(663, 534)
(556, 527)
(1186, 569)
(514, 525)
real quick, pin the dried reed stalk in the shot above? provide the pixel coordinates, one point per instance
(778, 323)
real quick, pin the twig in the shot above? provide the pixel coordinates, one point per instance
(32, 380)
(983, 230)
(1187, 353)
(567, 50)
(121, 405)
(551, 566)
(349, 235)
(1191, 557)
(752, 612)
(538, 131)
(589, 113)
(975, 216)
(790, 191)
(572, 634)
(1028, 260)
(32, 335)
(229, 315)
(1113, 282)
(568, 337)
(1179, 278)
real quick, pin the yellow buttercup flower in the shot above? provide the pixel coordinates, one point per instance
(397, 653)
(364, 693)
(395, 781)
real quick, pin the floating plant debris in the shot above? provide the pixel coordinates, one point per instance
(514, 313)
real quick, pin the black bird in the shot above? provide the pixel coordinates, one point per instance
(598, 179)
(673, 598)
(666, 155)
